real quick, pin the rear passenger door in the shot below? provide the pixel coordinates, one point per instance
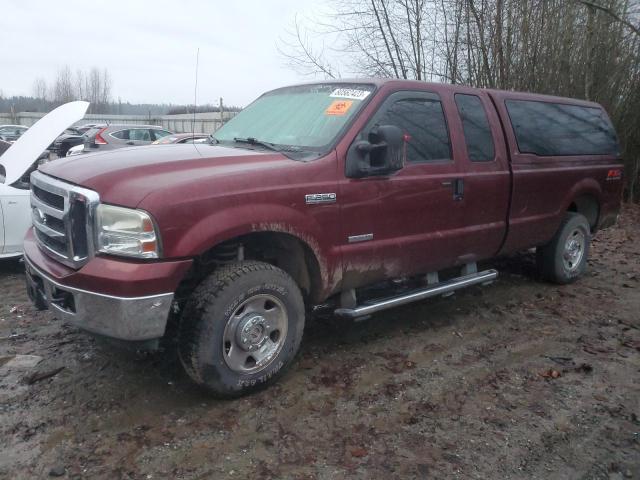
(484, 162)
(139, 136)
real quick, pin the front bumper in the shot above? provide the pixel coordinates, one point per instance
(124, 318)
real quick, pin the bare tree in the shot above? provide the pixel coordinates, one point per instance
(94, 91)
(80, 86)
(97, 89)
(105, 94)
(303, 56)
(612, 13)
(93, 86)
(63, 90)
(40, 88)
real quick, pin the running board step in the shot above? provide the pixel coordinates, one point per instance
(441, 288)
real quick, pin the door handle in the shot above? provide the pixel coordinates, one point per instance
(458, 187)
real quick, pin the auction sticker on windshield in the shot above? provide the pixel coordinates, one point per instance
(338, 107)
(352, 93)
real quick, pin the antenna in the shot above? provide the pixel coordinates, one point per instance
(195, 96)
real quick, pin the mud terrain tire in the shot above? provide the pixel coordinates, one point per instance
(245, 310)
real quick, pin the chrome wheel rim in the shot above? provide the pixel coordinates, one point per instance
(255, 333)
(573, 250)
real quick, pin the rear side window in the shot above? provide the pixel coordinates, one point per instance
(477, 133)
(549, 129)
(423, 124)
(122, 134)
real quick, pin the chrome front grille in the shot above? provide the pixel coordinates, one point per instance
(62, 216)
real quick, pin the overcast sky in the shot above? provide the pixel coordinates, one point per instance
(149, 47)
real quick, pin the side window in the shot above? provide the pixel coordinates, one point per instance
(122, 134)
(141, 134)
(423, 124)
(477, 133)
(549, 129)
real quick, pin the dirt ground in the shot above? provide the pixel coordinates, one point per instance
(520, 379)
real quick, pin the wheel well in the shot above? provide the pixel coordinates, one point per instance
(283, 250)
(588, 206)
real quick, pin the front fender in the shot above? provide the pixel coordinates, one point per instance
(241, 220)
(233, 222)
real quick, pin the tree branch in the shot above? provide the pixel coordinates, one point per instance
(612, 14)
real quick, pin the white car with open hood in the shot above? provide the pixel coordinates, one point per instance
(15, 208)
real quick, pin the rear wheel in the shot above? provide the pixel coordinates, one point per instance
(564, 258)
(241, 328)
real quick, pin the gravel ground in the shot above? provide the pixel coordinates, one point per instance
(520, 379)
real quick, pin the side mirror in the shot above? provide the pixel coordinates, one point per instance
(381, 154)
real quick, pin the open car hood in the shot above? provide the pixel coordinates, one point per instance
(26, 150)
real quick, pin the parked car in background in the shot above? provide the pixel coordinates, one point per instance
(110, 137)
(71, 137)
(183, 138)
(17, 161)
(10, 133)
(4, 146)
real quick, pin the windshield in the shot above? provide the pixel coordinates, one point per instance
(304, 117)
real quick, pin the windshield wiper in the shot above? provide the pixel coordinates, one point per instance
(255, 141)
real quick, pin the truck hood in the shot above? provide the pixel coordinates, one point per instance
(126, 176)
(26, 150)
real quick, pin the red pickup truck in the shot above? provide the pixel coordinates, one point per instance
(352, 196)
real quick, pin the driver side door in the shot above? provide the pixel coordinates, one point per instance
(407, 222)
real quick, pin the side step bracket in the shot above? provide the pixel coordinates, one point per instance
(369, 307)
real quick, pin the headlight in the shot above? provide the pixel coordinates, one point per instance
(127, 232)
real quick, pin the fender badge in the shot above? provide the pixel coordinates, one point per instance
(314, 198)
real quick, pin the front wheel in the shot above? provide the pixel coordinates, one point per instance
(241, 328)
(564, 258)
